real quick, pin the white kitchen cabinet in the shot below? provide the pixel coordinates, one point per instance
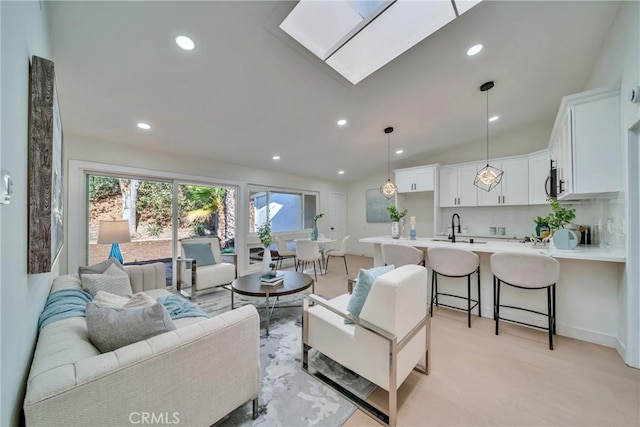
(539, 181)
(587, 146)
(456, 186)
(514, 186)
(411, 180)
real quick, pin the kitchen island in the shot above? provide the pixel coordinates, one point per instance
(589, 302)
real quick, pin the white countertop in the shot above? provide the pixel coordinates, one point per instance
(582, 252)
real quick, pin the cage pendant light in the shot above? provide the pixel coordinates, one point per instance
(488, 177)
(388, 189)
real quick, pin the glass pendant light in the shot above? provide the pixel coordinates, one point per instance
(488, 177)
(388, 189)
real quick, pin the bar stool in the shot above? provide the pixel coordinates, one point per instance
(399, 255)
(530, 272)
(454, 262)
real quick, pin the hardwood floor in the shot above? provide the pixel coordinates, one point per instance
(480, 379)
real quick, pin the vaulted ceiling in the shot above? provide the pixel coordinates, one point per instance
(248, 91)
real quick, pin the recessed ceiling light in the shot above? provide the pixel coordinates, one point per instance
(276, 157)
(474, 49)
(340, 172)
(185, 42)
(399, 151)
(342, 122)
(144, 126)
(494, 118)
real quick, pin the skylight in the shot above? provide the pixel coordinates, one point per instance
(358, 37)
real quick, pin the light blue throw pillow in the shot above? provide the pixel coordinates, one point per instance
(361, 291)
(201, 252)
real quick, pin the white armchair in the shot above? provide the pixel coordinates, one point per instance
(388, 341)
(204, 274)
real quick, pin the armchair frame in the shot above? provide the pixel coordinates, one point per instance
(377, 414)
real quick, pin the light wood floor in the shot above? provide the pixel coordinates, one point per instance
(480, 379)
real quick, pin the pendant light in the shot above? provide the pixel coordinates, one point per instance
(488, 177)
(388, 189)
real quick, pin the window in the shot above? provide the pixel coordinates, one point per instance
(287, 210)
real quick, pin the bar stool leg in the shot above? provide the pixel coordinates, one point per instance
(554, 308)
(434, 290)
(479, 304)
(550, 311)
(496, 309)
(469, 300)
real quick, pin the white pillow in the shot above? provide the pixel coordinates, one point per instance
(106, 299)
(113, 280)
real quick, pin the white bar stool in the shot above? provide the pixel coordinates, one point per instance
(526, 271)
(454, 262)
(399, 255)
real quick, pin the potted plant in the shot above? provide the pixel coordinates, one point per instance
(559, 216)
(314, 232)
(542, 226)
(266, 238)
(395, 216)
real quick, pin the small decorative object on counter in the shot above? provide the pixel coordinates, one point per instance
(542, 226)
(395, 216)
(412, 233)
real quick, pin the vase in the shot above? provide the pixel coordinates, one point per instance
(266, 260)
(314, 231)
(395, 229)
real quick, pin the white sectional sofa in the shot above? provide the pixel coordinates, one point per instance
(191, 376)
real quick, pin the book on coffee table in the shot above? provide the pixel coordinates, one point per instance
(268, 280)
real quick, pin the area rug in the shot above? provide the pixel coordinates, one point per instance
(289, 397)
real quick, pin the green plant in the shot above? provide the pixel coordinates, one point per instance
(154, 229)
(394, 214)
(560, 216)
(264, 234)
(541, 221)
(102, 186)
(197, 228)
(317, 217)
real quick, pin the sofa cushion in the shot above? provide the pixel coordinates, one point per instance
(112, 328)
(106, 299)
(363, 286)
(113, 280)
(99, 268)
(201, 252)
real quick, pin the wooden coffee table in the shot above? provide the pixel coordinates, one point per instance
(250, 285)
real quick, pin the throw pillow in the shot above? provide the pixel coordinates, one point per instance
(114, 281)
(111, 328)
(201, 252)
(100, 267)
(106, 299)
(363, 286)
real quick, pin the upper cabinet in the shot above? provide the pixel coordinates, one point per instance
(586, 144)
(539, 179)
(514, 186)
(411, 180)
(456, 186)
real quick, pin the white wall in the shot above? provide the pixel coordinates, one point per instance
(619, 63)
(23, 33)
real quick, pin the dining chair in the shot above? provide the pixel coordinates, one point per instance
(308, 251)
(338, 253)
(284, 252)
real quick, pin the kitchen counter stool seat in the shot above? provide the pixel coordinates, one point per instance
(454, 262)
(528, 272)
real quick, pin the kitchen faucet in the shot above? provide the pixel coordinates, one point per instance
(453, 227)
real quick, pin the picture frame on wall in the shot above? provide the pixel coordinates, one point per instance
(377, 206)
(45, 169)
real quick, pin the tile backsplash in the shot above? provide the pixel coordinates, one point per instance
(607, 214)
